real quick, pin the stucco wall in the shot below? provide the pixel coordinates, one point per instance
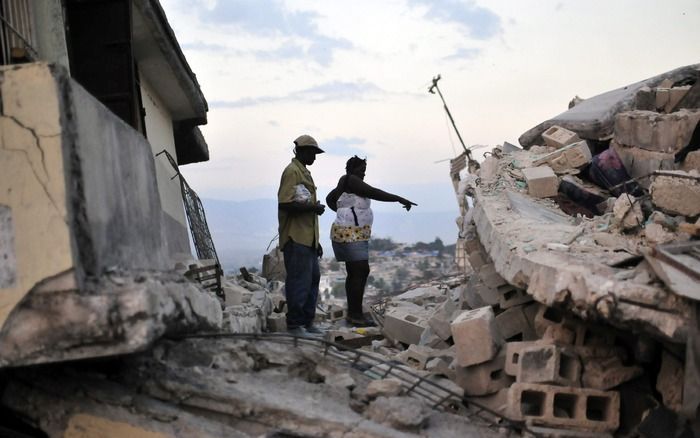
(35, 234)
(159, 130)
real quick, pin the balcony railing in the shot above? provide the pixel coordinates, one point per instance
(17, 40)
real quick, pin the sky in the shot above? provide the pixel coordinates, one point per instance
(355, 75)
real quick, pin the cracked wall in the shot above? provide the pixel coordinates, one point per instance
(32, 187)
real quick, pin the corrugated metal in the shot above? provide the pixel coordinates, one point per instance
(16, 28)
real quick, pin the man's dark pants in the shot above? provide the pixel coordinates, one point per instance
(301, 287)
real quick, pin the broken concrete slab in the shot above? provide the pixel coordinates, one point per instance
(578, 277)
(593, 118)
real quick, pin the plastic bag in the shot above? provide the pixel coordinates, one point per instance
(302, 194)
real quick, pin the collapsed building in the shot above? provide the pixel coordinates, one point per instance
(575, 314)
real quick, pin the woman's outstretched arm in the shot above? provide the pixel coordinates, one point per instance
(359, 187)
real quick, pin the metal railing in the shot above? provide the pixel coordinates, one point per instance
(17, 40)
(374, 366)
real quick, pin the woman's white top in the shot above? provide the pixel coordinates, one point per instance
(353, 220)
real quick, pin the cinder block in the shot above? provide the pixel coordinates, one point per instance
(514, 325)
(510, 296)
(608, 373)
(442, 318)
(440, 366)
(567, 158)
(339, 335)
(548, 316)
(640, 162)
(513, 354)
(490, 277)
(558, 137)
(558, 406)
(476, 336)
(277, 322)
(476, 260)
(485, 378)
(662, 96)
(417, 356)
(675, 95)
(670, 381)
(549, 364)
(335, 313)
(675, 192)
(655, 131)
(541, 181)
(476, 294)
(233, 294)
(404, 326)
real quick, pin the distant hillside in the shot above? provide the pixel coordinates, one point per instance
(242, 230)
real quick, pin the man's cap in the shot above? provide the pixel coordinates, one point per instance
(307, 141)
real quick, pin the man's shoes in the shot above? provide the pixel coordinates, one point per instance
(360, 321)
(297, 331)
(313, 330)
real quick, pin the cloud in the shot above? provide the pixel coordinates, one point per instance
(344, 146)
(270, 18)
(328, 92)
(463, 53)
(473, 20)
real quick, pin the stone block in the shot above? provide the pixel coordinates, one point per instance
(655, 131)
(404, 325)
(384, 388)
(569, 157)
(441, 319)
(485, 378)
(510, 296)
(677, 192)
(549, 364)
(558, 406)
(476, 336)
(607, 373)
(513, 325)
(541, 181)
(557, 137)
(277, 322)
(670, 381)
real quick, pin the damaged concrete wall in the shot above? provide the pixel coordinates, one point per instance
(81, 228)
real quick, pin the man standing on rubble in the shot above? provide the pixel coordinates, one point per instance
(298, 211)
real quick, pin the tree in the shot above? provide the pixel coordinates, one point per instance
(380, 244)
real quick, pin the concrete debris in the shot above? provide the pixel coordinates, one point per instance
(677, 192)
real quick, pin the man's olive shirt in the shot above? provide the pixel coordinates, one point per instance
(301, 227)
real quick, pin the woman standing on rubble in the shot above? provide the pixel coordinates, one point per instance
(352, 228)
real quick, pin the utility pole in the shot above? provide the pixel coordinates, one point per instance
(473, 164)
